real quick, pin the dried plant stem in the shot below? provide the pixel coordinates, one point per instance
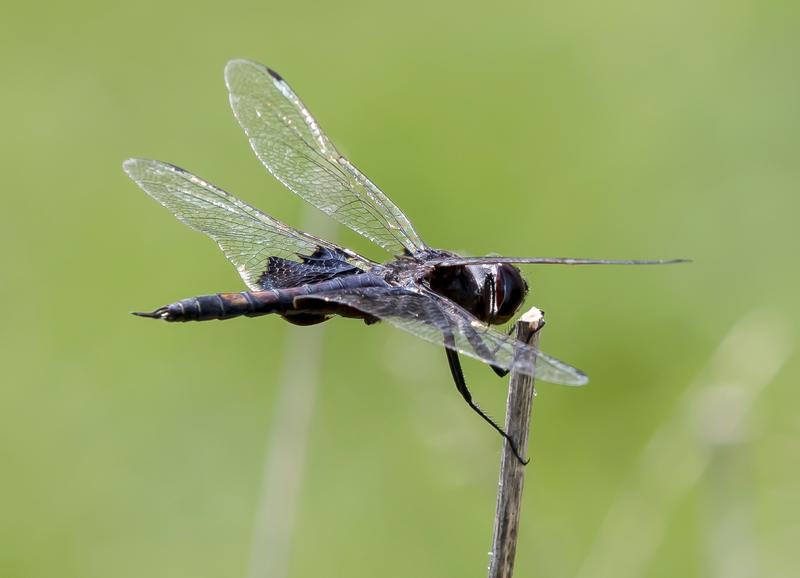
(512, 472)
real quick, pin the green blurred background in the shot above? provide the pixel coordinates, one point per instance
(615, 129)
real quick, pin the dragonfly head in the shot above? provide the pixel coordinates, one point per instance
(492, 293)
(505, 290)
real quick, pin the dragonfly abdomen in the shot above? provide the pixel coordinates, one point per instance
(256, 303)
(223, 306)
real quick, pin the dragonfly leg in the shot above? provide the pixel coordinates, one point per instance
(481, 348)
(499, 370)
(461, 386)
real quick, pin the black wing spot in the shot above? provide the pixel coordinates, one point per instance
(275, 75)
(322, 265)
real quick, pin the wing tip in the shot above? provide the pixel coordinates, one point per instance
(231, 67)
(129, 165)
(133, 166)
(581, 379)
(237, 63)
(274, 74)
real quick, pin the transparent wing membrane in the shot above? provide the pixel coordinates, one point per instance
(440, 321)
(292, 146)
(247, 236)
(457, 261)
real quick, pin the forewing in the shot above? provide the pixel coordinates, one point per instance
(459, 261)
(440, 321)
(292, 146)
(247, 236)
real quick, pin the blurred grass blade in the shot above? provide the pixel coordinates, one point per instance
(287, 442)
(682, 448)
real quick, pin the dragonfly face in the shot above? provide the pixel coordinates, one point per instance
(492, 293)
(509, 288)
(435, 295)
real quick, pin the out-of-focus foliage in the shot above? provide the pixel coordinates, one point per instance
(616, 129)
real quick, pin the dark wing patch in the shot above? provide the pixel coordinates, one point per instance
(322, 265)
(248, 237)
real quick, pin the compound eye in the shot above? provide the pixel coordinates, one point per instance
(510, 289)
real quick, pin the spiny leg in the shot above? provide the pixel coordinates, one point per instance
(499, 370)
(481, 348)
(461, 386)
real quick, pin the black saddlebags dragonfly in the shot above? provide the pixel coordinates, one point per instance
(431, 293)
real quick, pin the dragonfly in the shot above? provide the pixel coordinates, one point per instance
(434, 294)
